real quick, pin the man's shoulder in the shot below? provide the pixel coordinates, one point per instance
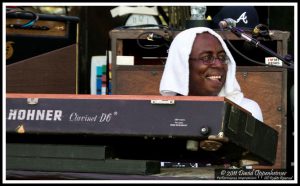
(253, 107)
(247, 101)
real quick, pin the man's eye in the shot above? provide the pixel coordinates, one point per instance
(222, 57)
(206, 58)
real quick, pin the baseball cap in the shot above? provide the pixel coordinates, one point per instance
(245, 16)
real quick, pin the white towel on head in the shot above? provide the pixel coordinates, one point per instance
(175, 78)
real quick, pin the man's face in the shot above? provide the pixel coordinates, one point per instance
(206, 79)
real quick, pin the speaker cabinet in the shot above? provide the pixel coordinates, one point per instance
(41, 58)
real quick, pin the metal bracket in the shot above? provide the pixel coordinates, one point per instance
(20, 129)
(163, 102)
(32, 101)
(220, 137)
(245, 75)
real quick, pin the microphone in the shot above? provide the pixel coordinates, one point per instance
(227, 23)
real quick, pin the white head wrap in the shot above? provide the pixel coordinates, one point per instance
(175, 78)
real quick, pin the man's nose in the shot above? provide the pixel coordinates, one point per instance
(217, 63)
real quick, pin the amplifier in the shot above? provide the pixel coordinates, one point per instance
(41, 58)
(143, 127)
(49, 33)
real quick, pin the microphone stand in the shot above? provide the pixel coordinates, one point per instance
(238, 32)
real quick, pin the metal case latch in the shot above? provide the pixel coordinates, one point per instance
(32, 101)
(165, 102)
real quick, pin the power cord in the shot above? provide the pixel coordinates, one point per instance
(249, 59)
(29, 24)
(151, 36)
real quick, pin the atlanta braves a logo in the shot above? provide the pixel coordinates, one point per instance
(243, 17)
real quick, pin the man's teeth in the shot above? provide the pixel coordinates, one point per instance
(214, 77)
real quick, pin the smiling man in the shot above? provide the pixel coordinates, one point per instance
(200, 64)
(208, 66)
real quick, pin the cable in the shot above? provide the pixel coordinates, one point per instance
(249, 59)
(150, 36)
(26, 25)
(143, 26)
